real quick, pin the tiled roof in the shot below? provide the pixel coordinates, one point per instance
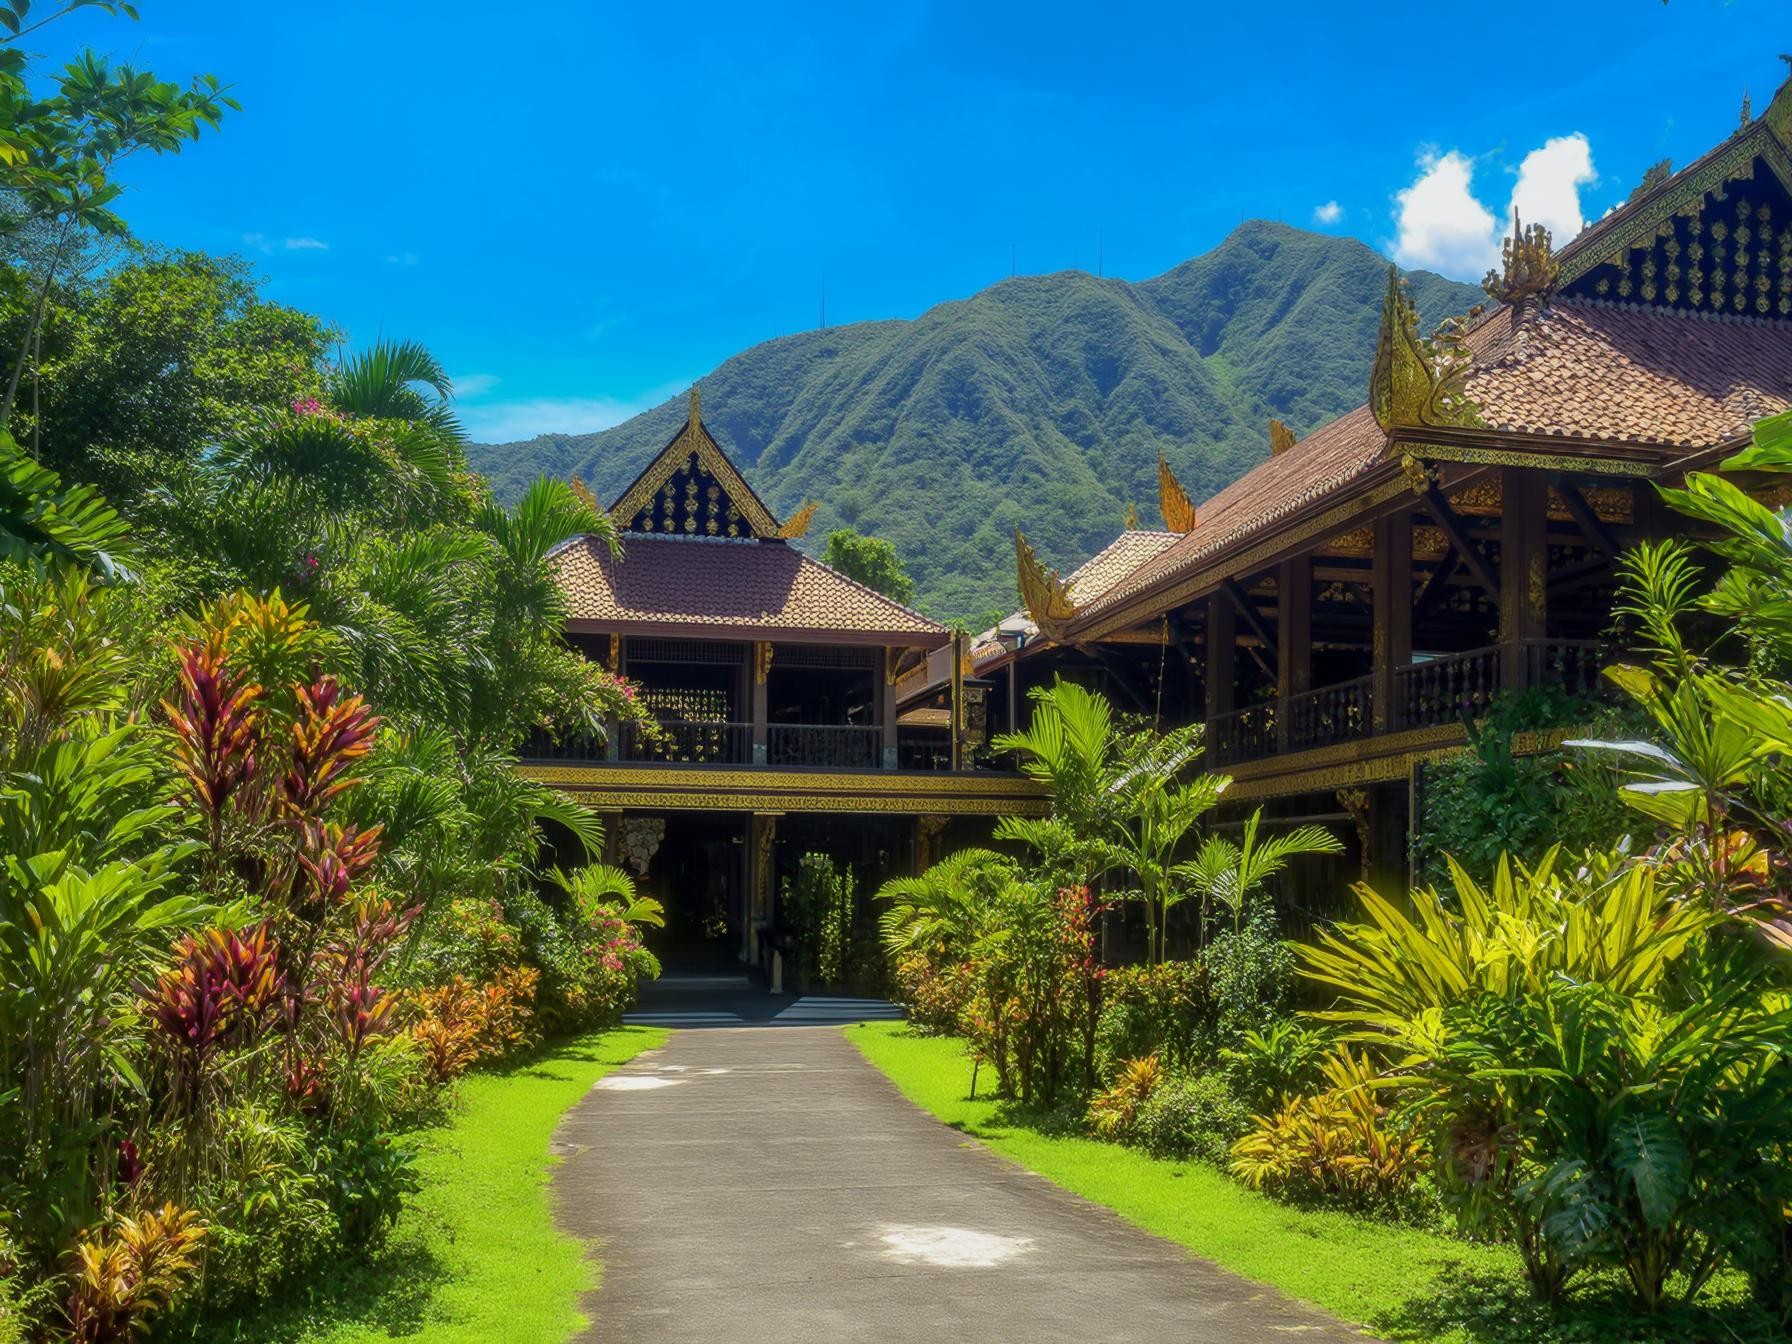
(1318, 464)
(1630, 374)
(1583, 369)
(705, 585)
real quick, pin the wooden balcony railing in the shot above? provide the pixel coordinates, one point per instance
(1427, 693)
(843, 746)
(1440, 690)
(929, 751)
(688, 744)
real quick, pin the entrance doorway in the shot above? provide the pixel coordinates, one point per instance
(699, 874)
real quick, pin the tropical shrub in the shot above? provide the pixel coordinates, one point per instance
(1339, 1144)
(819, 904)
(1197, 1115)
(1167, 1010)
(933, 990)
(1113, 1113)
(1285, 1059)
(131, 1271)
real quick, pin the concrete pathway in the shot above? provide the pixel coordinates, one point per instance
(749, 1185)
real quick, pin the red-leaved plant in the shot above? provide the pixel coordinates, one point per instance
(216, 725)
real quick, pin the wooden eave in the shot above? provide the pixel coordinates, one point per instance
(675, 629)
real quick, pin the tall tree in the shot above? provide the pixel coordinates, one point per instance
(870, 560)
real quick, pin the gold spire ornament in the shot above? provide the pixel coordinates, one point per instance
(1172, 500)
(1281, 438)
(583, 491)
(1043, 591)
(1132, 516)
(1417, 383)
(1530, 269)
(797, 525)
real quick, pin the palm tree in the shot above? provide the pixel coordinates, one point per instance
(1231, 874)
(1071, 747)
(1162, 815)
(946, 906)
(603, 886)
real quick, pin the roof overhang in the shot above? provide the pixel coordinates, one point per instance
(770, 634)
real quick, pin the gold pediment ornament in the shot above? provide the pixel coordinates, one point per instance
(1172, 500)
(1043, 591)
(797, 525)
(1530, 268)
(1281, 438)
(1415, 382)
(696, 450)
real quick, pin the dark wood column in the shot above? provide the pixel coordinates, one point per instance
(1222, 653)
(888, 693)
(1391, 596)
(1524, 569)
(1294, 626)
(762, 667)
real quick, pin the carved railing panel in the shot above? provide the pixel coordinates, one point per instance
(1243, 735)
(689, 744)
(1440, 690)
(1328, 714)
(841, 746)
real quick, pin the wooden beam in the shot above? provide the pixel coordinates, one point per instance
(1524, 569)
(1587, 520)
(1451, 526)
(1294, 625)
(1437, 584)
(1121, 677)
(1252, 617)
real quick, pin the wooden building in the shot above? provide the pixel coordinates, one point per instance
(771, 678)
(1333, 614)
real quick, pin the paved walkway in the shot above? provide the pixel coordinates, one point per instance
(749, 1185)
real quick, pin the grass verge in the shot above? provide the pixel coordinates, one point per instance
(475, 1256)
(1401, 1282)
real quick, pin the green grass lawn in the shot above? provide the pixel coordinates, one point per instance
(1402, 1282)
(476, 1256)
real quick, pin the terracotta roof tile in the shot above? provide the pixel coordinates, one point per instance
(1631, 374)
(715, 584)
(1316, 465)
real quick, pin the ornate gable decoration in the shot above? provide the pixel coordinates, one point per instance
(1417, 383)
(1043, 592)
(1715, 237)
(1172, 500)
(797, 525)
(692, 490)
(1530, 268)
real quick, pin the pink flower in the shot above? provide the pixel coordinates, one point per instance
(308, 406)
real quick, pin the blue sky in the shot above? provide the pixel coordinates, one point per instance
(582, 207)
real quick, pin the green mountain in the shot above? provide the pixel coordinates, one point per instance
(1041, 402)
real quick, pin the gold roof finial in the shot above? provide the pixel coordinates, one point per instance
(1172, 500)
(1414, 382)
(1132, 516)
(696, 407)
(1530, 268)
(797, 526)
(1281, 438)
(1748, 111)
(1043, 591)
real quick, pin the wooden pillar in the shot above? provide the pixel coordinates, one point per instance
(957, 744)
(889, 708)
(1391, 645)
(762, 831)
(1524, 569)
(762, 667)
(1294, 626)
(1222, 654)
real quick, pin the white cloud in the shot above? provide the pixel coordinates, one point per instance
(473, 384)
(1444, 227)
(262, 243)
(1329, 213)
(1549, 183)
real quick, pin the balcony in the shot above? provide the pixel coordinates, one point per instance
(1430, 692)
(801, 745)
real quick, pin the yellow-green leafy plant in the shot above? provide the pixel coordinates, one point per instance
(1340, 1143)
(131, 1271)
(1114, 1112)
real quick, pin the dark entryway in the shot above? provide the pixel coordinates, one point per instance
(698, 873)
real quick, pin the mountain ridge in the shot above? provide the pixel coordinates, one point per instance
(1040, 402)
